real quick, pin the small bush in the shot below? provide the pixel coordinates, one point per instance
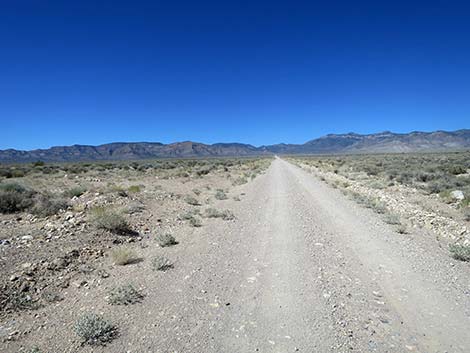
(75, 192)
(460, 252)
(195, 222)
(240, 181)
(124, 295)
(134, 189)
(109, 220)
(191, 200)
(161, 263)
(15, 198)
(466, 214)
(392, 219)
(226, 215)
(46, 206)
(123, 256)
(166, 239)
(220, 195)
(94, 330)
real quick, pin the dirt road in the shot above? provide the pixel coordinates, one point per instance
(304, 269)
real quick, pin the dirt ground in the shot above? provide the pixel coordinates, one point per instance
(301, 267)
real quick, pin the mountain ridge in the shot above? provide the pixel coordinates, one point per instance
(380, 142)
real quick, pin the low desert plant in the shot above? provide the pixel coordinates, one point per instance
(392, 219)
(220, 195)
(94, 330)
(460, 252)
(15, 198)
(75, 192)
(161, 263)
(110, 220)
(124, 295)
(134, 189)
(45, 205)
(195, 222)
(226, 215)
(123, 256)
(191, 200)
(165, 239)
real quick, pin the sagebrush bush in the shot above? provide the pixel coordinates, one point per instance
(110, 220)
(195, 222)
(94, 330)
(220, 195)
(460, 252)
(124, 295)
(165, 239)
(226, 215)
(191, 200)
(161, 263)
(45, 205)
(75, 191)
(134, 189)
(123, 256)
(15, 198)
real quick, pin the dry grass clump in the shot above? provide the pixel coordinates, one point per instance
(161, 263)
(123, 256)
(460, 252)
(94, 330)
(124, 295)
(166, 239)
(109, 220)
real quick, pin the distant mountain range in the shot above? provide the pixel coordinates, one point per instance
(383, 142)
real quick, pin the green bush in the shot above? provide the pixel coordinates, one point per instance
(220, 195)
(124, 295)
(15, 198)
(75, 192)
(94, 330)
(109, 220)
(166, 239)
(460, 252)
(161, 263)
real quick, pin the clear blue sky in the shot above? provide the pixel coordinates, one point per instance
(258, 72)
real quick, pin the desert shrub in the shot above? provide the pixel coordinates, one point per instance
(109, 220)
(75, 192)
(466, 214)
(195, 222)
(240, 181)
(94, 330)
(45, 206)
(165, 239)
(123, 256)
(191, 200)
(457, 169)
(124, 295)
(15, 198)
(220, 195)
(161, 263)
(134, 189)
(33, 350)
(460, 252)
(197, 192)
(402, 229)
(226, 215)
(392, 219)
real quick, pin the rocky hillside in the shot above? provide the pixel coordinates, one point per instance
(333, 143)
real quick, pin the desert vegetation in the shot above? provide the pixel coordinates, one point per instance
(430, 191)
(67, 227)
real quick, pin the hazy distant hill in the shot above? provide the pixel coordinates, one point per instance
(341, 143)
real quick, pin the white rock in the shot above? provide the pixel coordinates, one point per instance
(457, 195)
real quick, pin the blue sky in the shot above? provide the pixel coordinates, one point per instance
(247, 71)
